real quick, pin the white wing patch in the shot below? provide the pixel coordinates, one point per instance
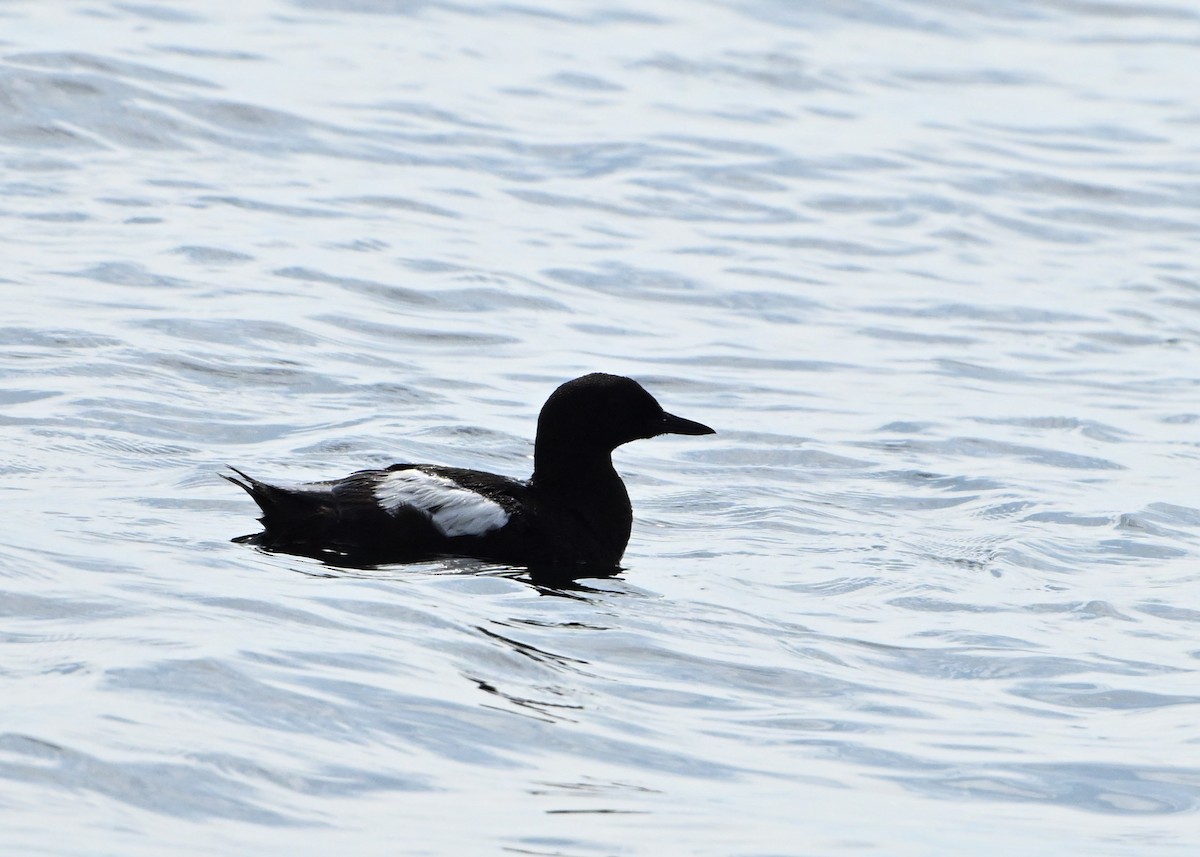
(454, 510)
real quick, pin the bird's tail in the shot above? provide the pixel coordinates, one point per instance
(282, 507)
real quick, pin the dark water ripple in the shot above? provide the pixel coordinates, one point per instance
(927, 266)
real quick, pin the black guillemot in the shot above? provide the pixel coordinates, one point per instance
(573, 513)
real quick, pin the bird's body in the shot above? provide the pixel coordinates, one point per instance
(573, 512)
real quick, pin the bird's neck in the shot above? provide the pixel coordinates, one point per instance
(562, 468)
(583, 480)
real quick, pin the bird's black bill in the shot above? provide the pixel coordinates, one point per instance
(671, 424)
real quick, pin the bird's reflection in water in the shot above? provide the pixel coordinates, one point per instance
(565, 582)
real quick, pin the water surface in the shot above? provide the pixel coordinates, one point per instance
(927, 267)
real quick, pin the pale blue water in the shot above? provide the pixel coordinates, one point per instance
(928, 267)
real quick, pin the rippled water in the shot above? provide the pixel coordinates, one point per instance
(928, 267)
